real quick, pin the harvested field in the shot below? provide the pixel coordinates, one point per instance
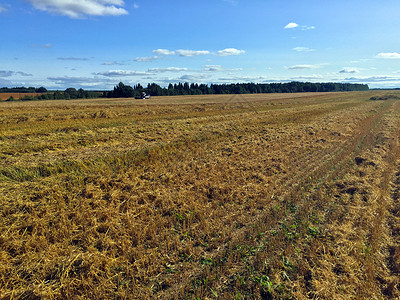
(5, 96)
(277, 196)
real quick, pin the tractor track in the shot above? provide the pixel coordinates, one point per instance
(310, 173)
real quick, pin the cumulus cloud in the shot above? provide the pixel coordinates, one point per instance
(192, 52)
(12, 73)
(170, 69)
(303, 49)
(349, 70)
(189, 53)
(291, 25)
(302, 27)
(146, 59)
(80, 8)
(121, 73)
(163, 52)
(303, 67)
(230, 51)
(392, 55)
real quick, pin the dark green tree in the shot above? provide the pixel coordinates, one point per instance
(41, 90)
(71, 93)
(123, 91)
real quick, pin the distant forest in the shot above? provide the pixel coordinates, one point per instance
(125, 91)
(44, 94)
(23, 90)
(122, 90)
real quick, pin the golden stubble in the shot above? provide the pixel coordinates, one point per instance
(254, 196)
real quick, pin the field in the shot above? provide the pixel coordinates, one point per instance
(274, 196)
(5, 96)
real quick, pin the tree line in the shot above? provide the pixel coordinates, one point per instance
(44, 94)
(23, 90)
(125, 91)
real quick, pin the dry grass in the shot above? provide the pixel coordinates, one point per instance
(289, 196)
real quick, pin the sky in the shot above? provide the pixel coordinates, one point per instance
(95, 44)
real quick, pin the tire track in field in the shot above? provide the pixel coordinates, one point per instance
(394, 225)
(390, 285)
(310, 175)
(364, 139)
(363, 222)
(318, 170)
(390, 196)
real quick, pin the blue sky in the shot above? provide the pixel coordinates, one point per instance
(94, 44)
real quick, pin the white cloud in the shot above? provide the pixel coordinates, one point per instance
(349, 70)
(119, 73)
(295, 25)
(303, 67)
(81, 8)
(188, 53)
(308, 78)
(146, 59)
(164, 52)
(170, 69)
(392, 55)
(380, 81)
(380, 78)
(244, 79)
(136, 6)
(192, 52)
(303, 49)
(291, 25)
(2, 9)
(230, 51)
